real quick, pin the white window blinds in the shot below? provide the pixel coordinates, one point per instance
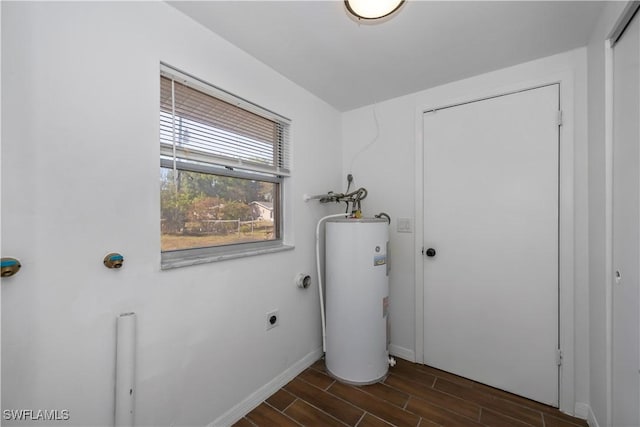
(202, 124)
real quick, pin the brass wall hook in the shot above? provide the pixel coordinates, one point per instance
(9, 267)
(113, 260)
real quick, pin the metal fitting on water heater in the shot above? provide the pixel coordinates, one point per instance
(303, 281)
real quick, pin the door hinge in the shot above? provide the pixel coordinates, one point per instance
(559, 357)
(559, 118)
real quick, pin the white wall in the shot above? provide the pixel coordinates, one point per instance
(599, 302)
(381, 158)
(388, 168)
(80, 157)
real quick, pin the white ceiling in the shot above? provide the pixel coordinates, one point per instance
(426, 44)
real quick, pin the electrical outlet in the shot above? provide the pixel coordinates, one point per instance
(273, 319)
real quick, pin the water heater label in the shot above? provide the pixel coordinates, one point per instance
(379, 260)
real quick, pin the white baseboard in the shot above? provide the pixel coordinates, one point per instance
(257, 397)
(402, 353)
(581, 410)
(591, 419)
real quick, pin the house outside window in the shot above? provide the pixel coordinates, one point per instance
(262, 210)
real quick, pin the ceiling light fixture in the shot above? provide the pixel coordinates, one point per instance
(372, 9)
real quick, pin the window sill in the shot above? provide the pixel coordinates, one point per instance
(170, 262)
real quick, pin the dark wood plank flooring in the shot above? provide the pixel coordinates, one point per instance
(411, 395)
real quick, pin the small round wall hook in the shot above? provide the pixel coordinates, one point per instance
(113, 260)
(9, 267)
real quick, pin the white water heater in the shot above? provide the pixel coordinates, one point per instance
(357, 299)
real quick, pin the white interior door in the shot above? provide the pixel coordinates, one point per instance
(491, 179)
(626, 229)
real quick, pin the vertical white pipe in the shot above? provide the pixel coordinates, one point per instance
(125, 369)
(319, 269)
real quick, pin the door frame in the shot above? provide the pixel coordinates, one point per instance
(566, 264)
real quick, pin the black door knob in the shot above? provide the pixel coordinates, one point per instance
(430, 252)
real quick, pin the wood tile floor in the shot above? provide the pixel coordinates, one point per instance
(411, 395)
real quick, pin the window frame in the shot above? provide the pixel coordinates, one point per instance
(214, 167)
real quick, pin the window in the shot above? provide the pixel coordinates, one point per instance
(223, 161)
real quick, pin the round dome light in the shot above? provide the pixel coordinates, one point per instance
(372, 9)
